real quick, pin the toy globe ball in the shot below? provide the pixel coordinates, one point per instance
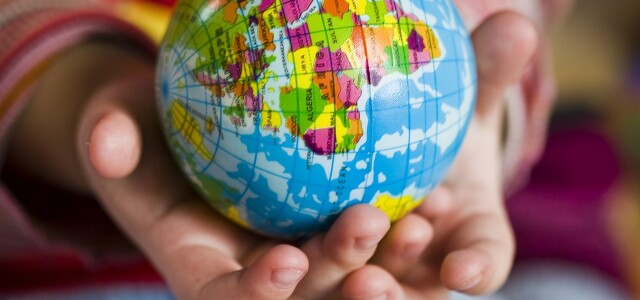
(283, 113)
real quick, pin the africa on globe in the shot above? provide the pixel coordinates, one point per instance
(283, 113)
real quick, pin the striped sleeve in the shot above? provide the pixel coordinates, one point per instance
(32, 34)
(34, 31)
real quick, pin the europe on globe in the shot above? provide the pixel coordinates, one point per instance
(285, 112)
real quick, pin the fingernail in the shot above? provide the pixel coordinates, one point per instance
(367, 243)
(470, 283)
(286, 278)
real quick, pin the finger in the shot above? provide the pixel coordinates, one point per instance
(374, 282)
(484, 255)
(473, 13)
(539, 91)
(50, 119)
(480, 254)
(404, 244)
(555, 11)
(273, 275)
(371, 282)
(188, 243)
(504, 45)
(546, 14)
(115, 145)
(439, 203)
(348, 245)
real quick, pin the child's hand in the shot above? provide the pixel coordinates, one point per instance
(199, 252)
(472, 246)
(95, 111)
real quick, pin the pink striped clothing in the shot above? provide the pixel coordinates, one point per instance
(32, 34)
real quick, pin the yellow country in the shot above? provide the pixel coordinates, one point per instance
(234, 215)
(304, 60)
(357, 6)
(327, 118)
(270, 119)
(430, 40)
(189, 128)
(396, 207)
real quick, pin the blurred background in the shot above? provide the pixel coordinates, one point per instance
(582, 206)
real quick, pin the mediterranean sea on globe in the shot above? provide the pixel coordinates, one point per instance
(285, 112)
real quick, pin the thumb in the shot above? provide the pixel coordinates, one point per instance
(112, 133)
(504, 45)
(114, 145)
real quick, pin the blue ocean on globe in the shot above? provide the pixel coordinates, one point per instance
(284, 113)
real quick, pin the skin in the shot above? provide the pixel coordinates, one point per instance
(537, 83)
(103, 138)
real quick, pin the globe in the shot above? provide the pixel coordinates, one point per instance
(283, 113)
